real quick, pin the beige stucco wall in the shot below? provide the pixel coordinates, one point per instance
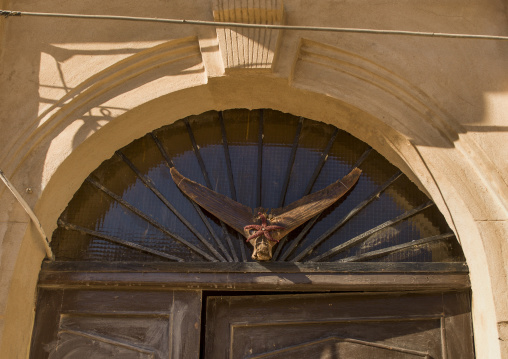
(73, 91)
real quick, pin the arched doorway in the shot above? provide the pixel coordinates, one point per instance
(115, 284)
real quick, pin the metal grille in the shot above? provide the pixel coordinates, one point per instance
(129, 209)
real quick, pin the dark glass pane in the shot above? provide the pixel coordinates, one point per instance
(242, 129)
(169, 217)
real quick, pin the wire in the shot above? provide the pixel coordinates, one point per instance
(9, 13)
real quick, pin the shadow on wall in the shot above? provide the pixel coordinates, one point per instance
(47, 59)
(134, 55)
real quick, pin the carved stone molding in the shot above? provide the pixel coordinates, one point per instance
(245, 48)
(363, 82)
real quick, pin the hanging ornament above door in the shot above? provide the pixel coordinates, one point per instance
(282, 220)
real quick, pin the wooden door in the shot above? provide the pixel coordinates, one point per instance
(87, 310)
(77, 324)
(339, 326)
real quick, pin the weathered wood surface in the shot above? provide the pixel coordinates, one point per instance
(362, 326)
(256, 276)
(300, 211)
(290, 217)
(231, 212)
(254, 267)
(117, 324)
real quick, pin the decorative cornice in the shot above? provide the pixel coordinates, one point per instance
(244, 48)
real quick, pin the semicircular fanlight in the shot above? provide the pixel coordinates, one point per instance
(129, 208)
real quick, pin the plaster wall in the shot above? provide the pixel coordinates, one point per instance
(74, 91)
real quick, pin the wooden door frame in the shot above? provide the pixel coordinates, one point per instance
(150, 278)
(269, 276)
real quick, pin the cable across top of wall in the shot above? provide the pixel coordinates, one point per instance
(11, 13)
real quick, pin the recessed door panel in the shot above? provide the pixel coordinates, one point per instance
(339, 325)
(74, 324)
(332, 348)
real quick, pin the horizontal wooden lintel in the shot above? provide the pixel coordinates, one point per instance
(257, 276)
(257, 267)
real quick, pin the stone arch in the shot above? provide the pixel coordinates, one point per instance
(435, 169)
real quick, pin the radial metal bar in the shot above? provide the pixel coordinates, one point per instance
(399, 247)
(317, 171)
(363, 157)
(163, 152)
(345, 219)
(311, 223)
(297, 240)
(198, 209)
(212, 232)
(148, 183)
(291, 163)
(209, 184)
(360, 238)
(260, 159)
(157, 225)
(118, 241)
(195, 148)
(232, 188)
(321, 163)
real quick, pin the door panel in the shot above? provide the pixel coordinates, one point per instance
(117, 324)
(166, 324)
(107, 336)
(339, 325)
(332, 348)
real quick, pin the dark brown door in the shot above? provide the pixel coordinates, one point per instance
(77, 323)
(339, 326)
(87, 324)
